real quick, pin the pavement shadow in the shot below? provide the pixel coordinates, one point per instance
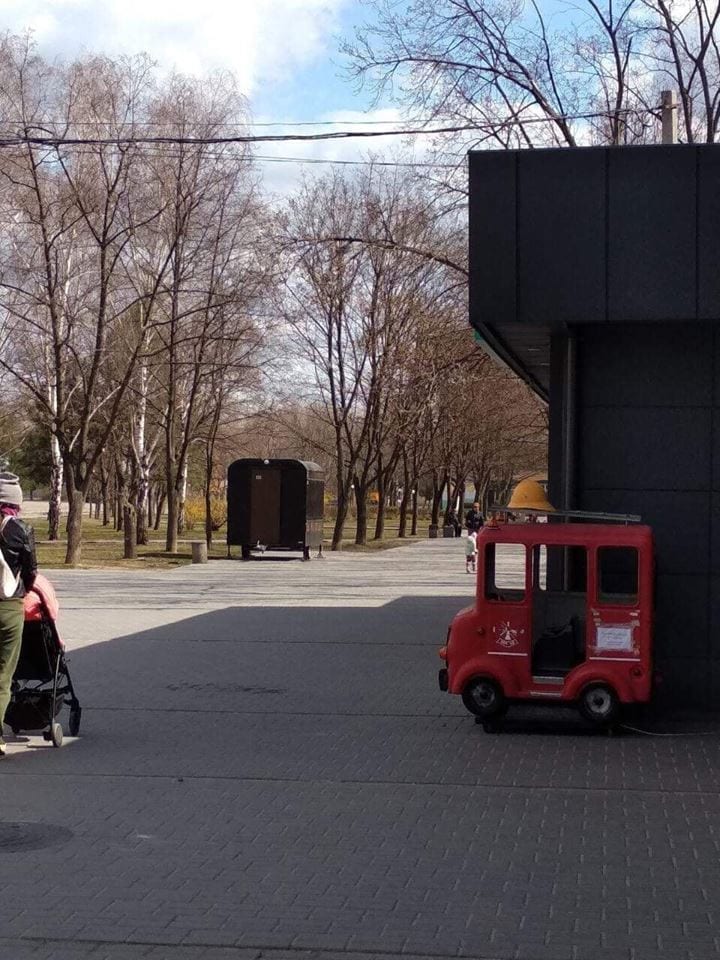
(293, 661)
(322, 695)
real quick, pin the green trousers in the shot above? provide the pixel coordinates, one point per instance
(11, 628)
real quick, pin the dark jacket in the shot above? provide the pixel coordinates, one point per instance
(17, 542)
(473, 520)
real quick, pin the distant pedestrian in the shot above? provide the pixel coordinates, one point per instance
(471, 553)
(474, 519)
(454, 522)
(17, 544)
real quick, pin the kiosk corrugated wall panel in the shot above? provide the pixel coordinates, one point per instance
(647, 437)
(561, 236)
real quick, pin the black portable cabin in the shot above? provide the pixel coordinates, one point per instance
(275, 505)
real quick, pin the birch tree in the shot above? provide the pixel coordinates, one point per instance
(211, 226)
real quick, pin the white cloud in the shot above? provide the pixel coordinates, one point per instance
(263, 42)
(259, 40)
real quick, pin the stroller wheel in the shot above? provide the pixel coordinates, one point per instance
(56, 734)
(74, 721)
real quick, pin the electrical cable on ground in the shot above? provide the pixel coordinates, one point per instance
(653, 733)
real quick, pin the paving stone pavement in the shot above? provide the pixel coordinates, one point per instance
(268, 770)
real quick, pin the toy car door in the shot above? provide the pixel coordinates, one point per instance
(619, 621)
(503, 582)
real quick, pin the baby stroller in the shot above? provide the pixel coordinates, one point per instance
(41, 685)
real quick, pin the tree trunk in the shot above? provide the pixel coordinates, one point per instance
(182, 497)
(141, 522)
(453, 493)
(104, 493)
(76, 502)
(380, 519)
(438, 489)
(340, 518)
(343, 494)
(142, 505)
(361, 520)
(414, 525)
(56, 485)
(208, 516)
(448, 499)
(402, 513)
(129, 531)
(209, 464)
(159, 507)
(171, 537)
(142, 466)
(404, 504)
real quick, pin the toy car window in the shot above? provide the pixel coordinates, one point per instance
(559, 608)
(505, 572)
(618, 574)
(556, 567)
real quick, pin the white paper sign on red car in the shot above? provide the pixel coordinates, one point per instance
(616, 638)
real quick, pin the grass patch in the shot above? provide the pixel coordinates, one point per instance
(103, 547)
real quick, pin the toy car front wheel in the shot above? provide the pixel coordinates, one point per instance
(483, 697)
(599, 703)
(56, 734)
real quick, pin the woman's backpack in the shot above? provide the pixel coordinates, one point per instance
(8, 580)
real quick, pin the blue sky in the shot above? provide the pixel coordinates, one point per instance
(317, 88)
(284, 53)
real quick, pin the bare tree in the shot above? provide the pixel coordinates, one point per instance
(685, 53)
(211, 226)
(321, 312)
(68, 295)
(522, 74)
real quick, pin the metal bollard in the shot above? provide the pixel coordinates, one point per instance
(199, 551)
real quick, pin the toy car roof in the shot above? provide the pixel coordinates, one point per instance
(569, 534)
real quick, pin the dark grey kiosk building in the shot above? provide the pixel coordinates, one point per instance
(595, 275)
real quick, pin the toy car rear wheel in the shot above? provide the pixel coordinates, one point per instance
(493, 725)
(483, 697)
(74, 721)
(599, 703)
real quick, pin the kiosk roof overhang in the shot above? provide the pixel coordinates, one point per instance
(592, 235)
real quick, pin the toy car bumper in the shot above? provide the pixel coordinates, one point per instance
(443, 680)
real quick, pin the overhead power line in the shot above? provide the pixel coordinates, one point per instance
(363, 163)
(230, 123)
(160, 153)
(120, 141)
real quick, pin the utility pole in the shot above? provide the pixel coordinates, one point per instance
(669, 116)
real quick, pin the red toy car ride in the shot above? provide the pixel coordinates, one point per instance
(563, 613)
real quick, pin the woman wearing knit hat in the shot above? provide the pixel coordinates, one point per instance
(17, 544)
